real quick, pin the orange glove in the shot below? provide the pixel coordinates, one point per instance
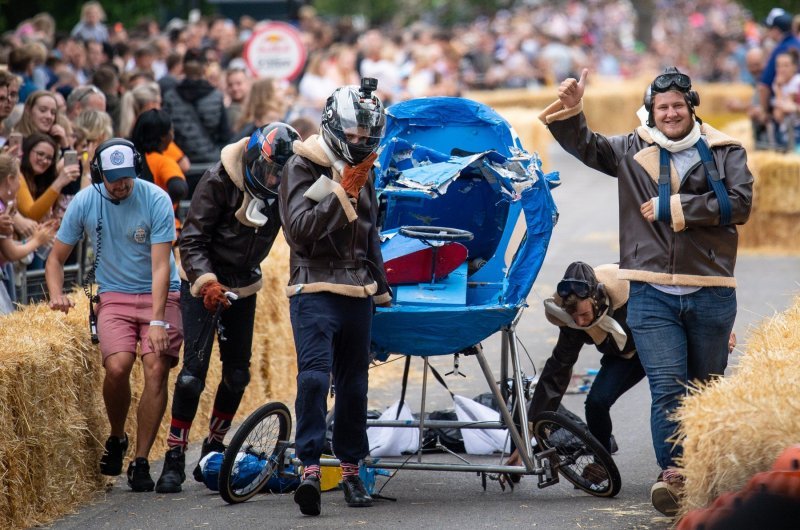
(354, 177)
(213, 294)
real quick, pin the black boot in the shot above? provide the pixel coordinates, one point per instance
(173, 474)
(355, 494)
(111, 461)
(139, 475)
(308, 496)
(208, 447)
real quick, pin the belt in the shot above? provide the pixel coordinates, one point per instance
(327, 264)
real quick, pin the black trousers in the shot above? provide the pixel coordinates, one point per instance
(332, 336)
(235, 352)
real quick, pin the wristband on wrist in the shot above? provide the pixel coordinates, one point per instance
(159, 323)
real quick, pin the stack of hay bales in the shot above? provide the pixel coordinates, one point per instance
(52, 418)
(774, 222)
(51, 415)
(735, 427)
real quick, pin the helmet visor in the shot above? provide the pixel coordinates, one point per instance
(266, 174)
(362, 120)
(671, 80)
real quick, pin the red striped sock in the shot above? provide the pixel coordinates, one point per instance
(311, 470)
(349, 470)
(178, 434)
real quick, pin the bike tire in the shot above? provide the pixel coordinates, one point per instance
(258, 436)
(576, 449)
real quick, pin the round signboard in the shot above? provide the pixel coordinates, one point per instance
(275, 50)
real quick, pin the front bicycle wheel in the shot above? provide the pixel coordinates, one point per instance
(253, 454)
(580, 457)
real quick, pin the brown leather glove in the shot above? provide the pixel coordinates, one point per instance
(213, 294)
(354, 177)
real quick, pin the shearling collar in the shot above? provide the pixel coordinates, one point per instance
(649, 157)
(312, 149)
(713, 137)
(231, 157)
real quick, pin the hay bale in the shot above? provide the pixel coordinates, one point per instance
(50, 415)
(778, 182)
(735, 427)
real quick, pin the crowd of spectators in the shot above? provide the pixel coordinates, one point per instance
(63, 91)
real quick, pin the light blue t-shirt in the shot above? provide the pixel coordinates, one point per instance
(128, 230)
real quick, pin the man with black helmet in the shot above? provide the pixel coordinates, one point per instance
(683, 188)
(329, 213)
(232, 222)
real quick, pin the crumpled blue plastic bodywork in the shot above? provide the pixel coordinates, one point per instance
(456, 163)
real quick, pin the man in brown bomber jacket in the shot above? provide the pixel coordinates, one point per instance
(329, 212)
(677, 241)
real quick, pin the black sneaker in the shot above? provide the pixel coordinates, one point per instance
(355, 494)
(308, 496)
(111, 461)
(172, 475)
(208, 447)
(139, 475)
(613, 447)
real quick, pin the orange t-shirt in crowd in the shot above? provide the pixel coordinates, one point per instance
(164, 168)
(174, 152)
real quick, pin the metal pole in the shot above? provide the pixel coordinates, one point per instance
(520, 395)
(504, 365)
(422, 410)
(379, 463)
(512, 429)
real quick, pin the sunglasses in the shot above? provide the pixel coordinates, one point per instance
(665, 82)
(580, 288)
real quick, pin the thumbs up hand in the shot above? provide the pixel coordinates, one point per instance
(571, 90)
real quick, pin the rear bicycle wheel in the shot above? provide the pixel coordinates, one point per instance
(253, 453)
(581, 459)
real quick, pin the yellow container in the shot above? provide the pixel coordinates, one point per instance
(330, 477)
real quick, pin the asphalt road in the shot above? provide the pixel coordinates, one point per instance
(587, 230)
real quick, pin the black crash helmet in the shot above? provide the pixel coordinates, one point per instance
(267, 151)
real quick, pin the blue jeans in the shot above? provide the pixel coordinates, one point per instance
(616, 376)
(679, 339)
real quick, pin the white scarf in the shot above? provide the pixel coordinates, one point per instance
(605, 322)
(673, 146)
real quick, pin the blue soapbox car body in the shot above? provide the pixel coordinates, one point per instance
(456, 163)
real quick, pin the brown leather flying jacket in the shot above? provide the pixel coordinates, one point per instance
(334, 240)
(218, 242)
(691, 250)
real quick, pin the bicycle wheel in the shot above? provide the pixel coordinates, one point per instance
(253, 453)
(581, 458)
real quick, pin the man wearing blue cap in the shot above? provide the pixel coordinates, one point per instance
(138, 302)
(779, 30)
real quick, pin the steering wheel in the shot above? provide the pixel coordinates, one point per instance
(436, 233)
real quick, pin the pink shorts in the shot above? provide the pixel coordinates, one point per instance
(123, 320)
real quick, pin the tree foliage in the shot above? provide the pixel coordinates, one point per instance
(67, 14)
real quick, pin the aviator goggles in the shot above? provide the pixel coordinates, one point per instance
(665, 82)
(580, 288)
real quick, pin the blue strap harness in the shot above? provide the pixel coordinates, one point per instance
(714, 182)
